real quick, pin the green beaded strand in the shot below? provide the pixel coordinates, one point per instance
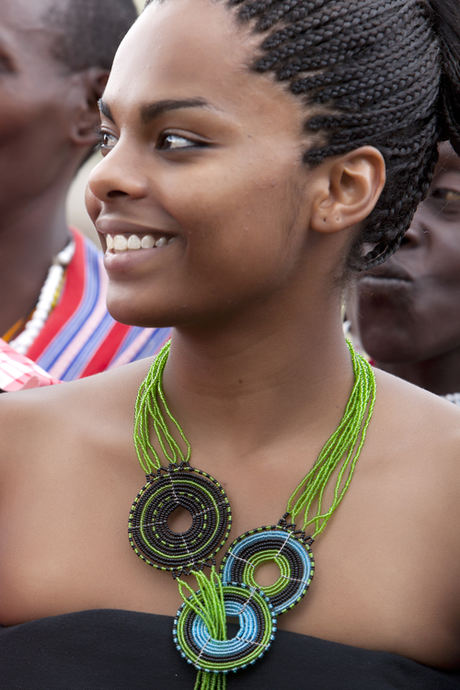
(210, 681)
(148, 408)
(345, 443)
(208, 603)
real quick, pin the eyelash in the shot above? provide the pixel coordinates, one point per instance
(101, 133)
(193, 143)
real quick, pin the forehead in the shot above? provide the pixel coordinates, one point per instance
(24, 25)
(448, 160)
(25, 15)
(176, 39)
(195, 49)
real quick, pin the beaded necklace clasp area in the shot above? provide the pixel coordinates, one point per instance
(200, 626)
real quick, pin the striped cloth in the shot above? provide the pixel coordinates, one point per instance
(80, 337)
(18, 372)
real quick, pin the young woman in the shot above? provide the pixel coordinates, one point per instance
(243, 180)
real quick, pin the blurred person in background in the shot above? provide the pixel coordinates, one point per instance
(55, 57)
(407, 311)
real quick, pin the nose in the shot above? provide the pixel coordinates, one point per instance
(118, 175)
(418, 229)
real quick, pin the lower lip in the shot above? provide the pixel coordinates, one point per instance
(124, 261)
(384, 281)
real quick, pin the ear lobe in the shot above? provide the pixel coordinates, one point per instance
(92, 83)
(353, 183)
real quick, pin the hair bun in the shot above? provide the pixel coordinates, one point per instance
(446, 17)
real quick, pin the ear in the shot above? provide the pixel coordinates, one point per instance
(351, 186)
(90, 85)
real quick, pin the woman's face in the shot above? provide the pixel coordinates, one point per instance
(203, 157)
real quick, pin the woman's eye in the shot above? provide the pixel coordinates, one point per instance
(106, 141)
(176, 141)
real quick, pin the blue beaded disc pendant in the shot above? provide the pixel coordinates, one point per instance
(288, 548)
(257, 629)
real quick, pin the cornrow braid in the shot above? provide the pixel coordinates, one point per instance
(325, 26)
(349, 87)
(446, 14)
(419, 37)
(376, 72)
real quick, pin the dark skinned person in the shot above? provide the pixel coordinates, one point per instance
(280, 517)
(407, 311)
(55, 57)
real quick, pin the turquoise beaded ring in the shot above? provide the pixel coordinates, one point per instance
(288, 549)
(257, 629)
(202, 496)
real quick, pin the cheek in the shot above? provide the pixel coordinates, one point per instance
(26, 109)
(32, 143)
(240, 211)
(16, 115)
(92, 203)
(445, 256)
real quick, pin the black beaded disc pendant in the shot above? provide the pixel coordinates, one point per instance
(180, 552)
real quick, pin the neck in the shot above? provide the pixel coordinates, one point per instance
(252, 384)
(29, 239)
(439, 375)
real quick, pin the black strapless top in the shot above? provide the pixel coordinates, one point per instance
(108, 649)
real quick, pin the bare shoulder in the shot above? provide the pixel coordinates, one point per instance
(35, 421)
(416, 418)
(415, 442)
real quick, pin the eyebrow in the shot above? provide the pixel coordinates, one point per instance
(154, 110)
(104, 108)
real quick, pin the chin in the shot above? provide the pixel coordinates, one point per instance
(390, 346)
(125, 313)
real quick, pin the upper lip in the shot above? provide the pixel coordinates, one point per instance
(389, 270)
(109, 226)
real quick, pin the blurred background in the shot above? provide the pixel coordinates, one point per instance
(76, 211)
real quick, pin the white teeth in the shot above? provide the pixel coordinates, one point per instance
(134, 242)
(120, 243)
(147, 242)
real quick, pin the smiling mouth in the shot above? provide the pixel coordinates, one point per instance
(129, 243)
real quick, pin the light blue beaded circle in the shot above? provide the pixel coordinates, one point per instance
(283, 546)
(257, 629)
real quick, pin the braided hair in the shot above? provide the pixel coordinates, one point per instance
(384, 73)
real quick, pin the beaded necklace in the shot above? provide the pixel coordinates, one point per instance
(47, 299)
(200, 626)
(452, 397)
